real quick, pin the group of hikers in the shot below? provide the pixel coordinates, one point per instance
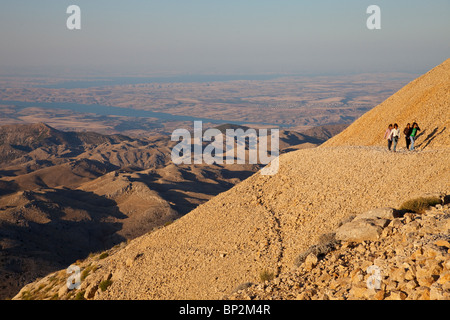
(392, 135)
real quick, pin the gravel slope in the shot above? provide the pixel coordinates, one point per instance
(265, 222)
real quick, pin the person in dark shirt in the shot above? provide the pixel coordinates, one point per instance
(407, 133)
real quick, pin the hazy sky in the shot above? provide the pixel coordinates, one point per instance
(226, 36)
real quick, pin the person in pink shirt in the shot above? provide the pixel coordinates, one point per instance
(387, 135)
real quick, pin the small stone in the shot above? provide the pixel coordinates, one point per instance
(444, 278)
(409, 275)
(416, 254)
(310, 261)
(129, 262)
(391, 285)
(434, 267)
(447, 264)
(378, 213)
(397, 295)
(431, 253)
(425, 294)
(357, 276)
(90, 291)
(396, 223)
(388, 231)
(360, 249)
(436, 292)
(411, 285)
(425, 280)
(380, 295)
(398, 275)
(442, 243)
(408, 217)
(412, 226)
(358, 292)
(63, 291)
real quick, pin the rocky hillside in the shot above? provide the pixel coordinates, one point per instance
(425, 100)
(379, 255)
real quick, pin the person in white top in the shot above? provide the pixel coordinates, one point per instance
(394, 135)
(387, 135)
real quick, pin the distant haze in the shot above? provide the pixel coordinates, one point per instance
(138, 37)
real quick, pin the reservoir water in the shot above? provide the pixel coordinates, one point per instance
(119, 111)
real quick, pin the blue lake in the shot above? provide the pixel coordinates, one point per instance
(119, 111)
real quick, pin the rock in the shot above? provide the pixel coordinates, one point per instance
(90, 291)
(398, 275)
(357, 276)
(434, 267)
(378, 213)
(446, 227)
(63, 291)
(411, 227)
(360, 230)
(447, 264)
(411, 285)
(444, 278)
(310, 261)
(387, 232)
(129, 262)
(305, 295)
(380, 295)
(436, 292)
(442, 243)
(409, 275)
(425, 293)
(417, 254)
(358, 292)
(424, 278)
(396, 223)
(397, 295)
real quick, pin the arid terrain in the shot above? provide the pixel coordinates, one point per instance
(245, 242)
(295, 103)
(65, 194)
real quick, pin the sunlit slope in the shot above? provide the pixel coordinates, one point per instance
(425, 100)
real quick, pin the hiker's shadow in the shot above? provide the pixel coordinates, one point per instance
(430, 137)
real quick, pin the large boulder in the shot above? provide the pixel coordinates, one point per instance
(367, 226)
